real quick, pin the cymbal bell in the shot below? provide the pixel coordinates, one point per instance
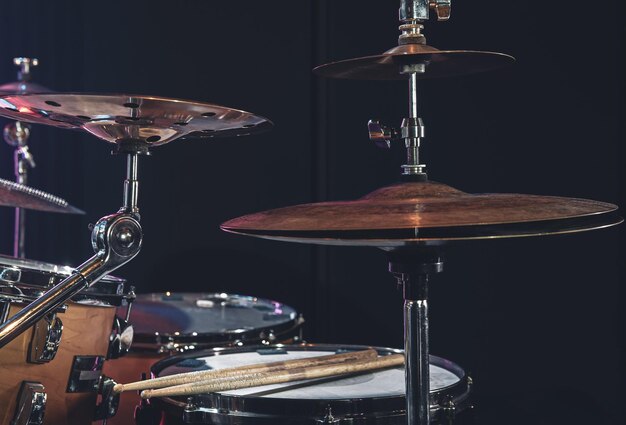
(20, 196)
(422, 212)
(142, 120)
(392, 64)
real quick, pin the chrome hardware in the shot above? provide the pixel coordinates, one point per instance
(5, 307)
(10, 275)
(107, 408)
(121, 338)
(85, 374)
(25, 64)
(381, 135)
(328, 418)
(46, 339)
(116, 239)
(31, 404)
(442, 9)
(418, 10)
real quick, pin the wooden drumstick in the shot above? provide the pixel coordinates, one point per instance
(277, 377)
(184, 378)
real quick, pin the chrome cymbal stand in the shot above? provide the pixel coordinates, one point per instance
(412, 267)
(116, 239)
(16, 134)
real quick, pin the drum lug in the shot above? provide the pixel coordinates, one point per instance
(329, 418)
(110, 400)
(121, 338)
(46, 339)
(31, 404)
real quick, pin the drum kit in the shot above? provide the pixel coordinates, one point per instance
(251, 348)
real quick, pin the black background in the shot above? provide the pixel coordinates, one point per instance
(538, 322)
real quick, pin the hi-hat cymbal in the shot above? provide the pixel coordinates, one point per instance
(19, 196)
(119, 118)
(437, 63)
(408, 213)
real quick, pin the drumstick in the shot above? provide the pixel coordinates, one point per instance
(265, 378)
(184, 378)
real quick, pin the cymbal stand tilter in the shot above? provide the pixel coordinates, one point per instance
(116, 239)
(16, 134)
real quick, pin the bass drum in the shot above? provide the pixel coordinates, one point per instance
(171, 323)
(369, 399)
(54, 368)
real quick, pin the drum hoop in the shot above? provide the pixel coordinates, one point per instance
(210, 405)
(166, 342)
(28, 279)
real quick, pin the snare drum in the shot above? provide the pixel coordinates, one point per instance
(369, 399)
(171, 323)
(60, 357)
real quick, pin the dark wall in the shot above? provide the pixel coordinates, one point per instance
(539, 322)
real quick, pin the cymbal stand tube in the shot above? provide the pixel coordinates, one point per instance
(16, 134)
(116, 239)
(131, 185)
(412, 129)
(412, 273)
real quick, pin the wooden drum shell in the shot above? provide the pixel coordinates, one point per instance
(86, 331)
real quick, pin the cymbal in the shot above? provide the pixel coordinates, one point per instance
(408, 213)
(438, 63)
(119, 118)
(22, 87)
(19, 196)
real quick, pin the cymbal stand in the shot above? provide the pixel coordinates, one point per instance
(116, 239)
(16, 134)
(413, 266)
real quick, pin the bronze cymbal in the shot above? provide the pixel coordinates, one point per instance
(408, 213)
(119, 118)
(437, 63)
(19, 196)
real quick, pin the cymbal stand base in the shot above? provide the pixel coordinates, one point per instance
(412, 269)
(116, 239)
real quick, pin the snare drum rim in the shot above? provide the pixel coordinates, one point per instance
(166, 342)
(215, 404)
(35, 277)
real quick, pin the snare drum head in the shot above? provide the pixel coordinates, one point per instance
(378, 394)
(207, 318)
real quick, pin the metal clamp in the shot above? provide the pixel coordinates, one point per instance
(46, 339)
(418, 10)
(31, 404)
(107, 408)
(381, 135)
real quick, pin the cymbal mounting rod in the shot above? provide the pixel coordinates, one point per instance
(131, 185)
(412, 129)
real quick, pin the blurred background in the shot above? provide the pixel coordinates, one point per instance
(538, 322)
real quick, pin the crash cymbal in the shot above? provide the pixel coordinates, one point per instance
(392, 64)
(409, 213)
(119, 118)
(20, 196)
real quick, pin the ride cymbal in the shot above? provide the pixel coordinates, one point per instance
(408, 213)
(432, 63)
(19, 196)
(119, 118)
